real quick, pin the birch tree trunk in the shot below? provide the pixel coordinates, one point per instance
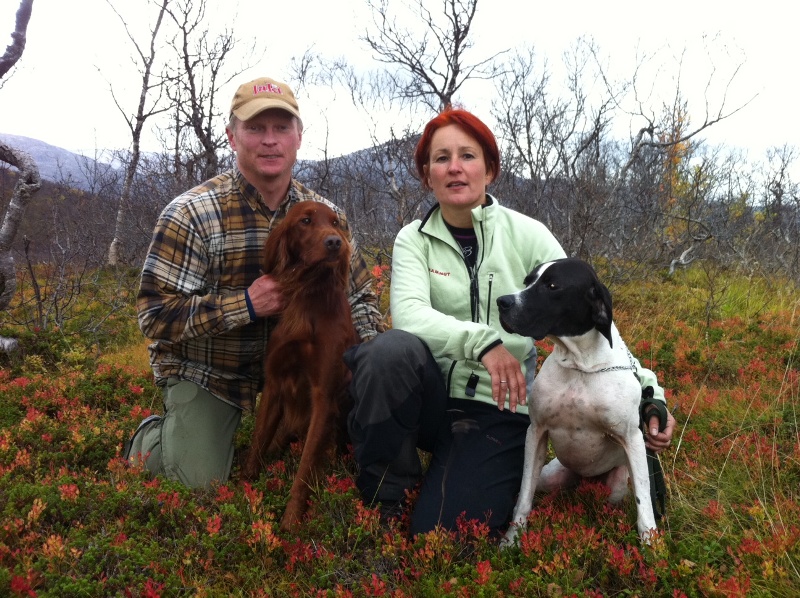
(27, 184)
(147, 58)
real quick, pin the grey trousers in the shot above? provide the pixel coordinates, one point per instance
(193, 441)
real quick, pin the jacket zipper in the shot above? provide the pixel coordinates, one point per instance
(474, 293)
(474, 283)
(489, 300)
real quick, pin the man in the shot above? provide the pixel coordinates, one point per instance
(203, 300)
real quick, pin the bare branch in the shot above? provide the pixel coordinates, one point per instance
(18, 38)
(430, 70)
(684, 260)
(203, 69)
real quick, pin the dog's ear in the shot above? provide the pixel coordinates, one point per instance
(343, 267)
(277, 256)
(600, 300)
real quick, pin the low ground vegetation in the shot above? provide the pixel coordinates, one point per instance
(76, 521)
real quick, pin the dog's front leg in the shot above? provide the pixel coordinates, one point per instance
(267, 420)
(316, 443)
(635, 452)
(535, 453)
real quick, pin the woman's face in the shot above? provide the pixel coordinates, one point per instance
(456, 171)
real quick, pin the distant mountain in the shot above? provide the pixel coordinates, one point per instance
(57, 164)
(372, 165)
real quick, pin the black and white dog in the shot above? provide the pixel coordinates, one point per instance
(585, 399)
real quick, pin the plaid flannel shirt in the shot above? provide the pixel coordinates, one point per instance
(206, 250)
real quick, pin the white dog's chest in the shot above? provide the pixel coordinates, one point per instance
(587, 416)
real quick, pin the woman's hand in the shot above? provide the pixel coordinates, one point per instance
(508, 381)
(658, 441)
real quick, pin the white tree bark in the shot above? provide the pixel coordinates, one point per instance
(27, 184)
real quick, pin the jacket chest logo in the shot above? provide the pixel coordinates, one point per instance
(438, 272)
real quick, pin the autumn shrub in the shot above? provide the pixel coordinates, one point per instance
(70, 320)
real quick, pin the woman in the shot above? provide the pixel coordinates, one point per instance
(447, 378)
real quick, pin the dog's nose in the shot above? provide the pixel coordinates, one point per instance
(505, 302)
(333, 243)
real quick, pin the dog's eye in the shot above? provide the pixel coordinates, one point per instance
(336, 223)
(552, 286)
(306, 220)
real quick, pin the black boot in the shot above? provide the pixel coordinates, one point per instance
(386, 482)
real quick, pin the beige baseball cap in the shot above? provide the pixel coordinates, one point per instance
(261, 94)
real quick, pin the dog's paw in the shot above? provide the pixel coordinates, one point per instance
(291, 518)
(249, 468)
(647, 536)
(510, 538)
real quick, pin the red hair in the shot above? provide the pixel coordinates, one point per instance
(472, 126)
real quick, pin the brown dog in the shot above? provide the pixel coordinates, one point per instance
(305, 391)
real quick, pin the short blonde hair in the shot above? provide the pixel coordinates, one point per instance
(232, 120)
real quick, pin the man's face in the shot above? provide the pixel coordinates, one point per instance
(266, 145)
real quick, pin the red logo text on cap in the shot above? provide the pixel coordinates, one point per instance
(266, 88)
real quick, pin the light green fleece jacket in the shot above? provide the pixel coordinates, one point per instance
(434, 297)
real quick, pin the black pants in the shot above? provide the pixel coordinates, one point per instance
(401, 404)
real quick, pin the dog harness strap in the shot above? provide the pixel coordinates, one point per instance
(658, 487)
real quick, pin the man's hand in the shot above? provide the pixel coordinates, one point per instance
(655, 440)
(265, 296)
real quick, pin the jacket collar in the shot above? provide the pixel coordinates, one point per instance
(434, 222)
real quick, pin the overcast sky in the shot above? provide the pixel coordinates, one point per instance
(59, 92)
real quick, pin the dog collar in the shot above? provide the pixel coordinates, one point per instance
(619, 368)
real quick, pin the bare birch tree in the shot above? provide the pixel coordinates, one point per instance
(27, 183)
(433, 65)
(425, 67)
(204, 59)
(149, 104)
(781, 217)
(601, 195)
